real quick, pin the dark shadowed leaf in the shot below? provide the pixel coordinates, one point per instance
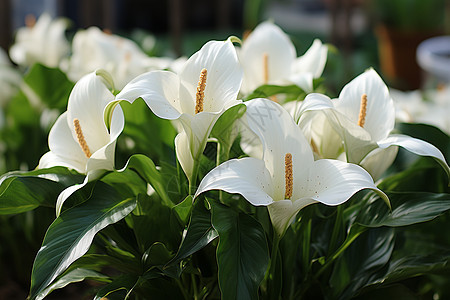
(20, 192)
(200, 232)
(242, 253)
(407, 209)
(361, 261)
(145, 167)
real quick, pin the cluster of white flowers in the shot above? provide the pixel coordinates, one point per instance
(323, 150)
(44, 41)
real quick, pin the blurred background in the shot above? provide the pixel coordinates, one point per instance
(383, 34)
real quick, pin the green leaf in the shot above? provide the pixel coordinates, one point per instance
(145, 167)
(156, 255)
(50, 85)
(242, 253)
(97, 262)
(425, 175)
(267, 90)
(127, 182)
(21, 192)
(71, 234)
(225, 132)
(199, 233)
(75, 275)
(183, 209)
(22, 132)
(414, 265)
(152, 222)
(150, 135)
(125, 284)
(407, 209)
(356, 268)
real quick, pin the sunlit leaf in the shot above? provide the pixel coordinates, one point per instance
(75, 275)
(71, 234)
(50, 85)
(265, 91)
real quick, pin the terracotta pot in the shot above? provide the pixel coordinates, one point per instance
(397, 54)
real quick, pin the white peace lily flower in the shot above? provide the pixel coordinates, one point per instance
(363, 118)
(431, 107)
(269, 57)
(84, 137)
(207, 85)
(286, 178)
(43, 42)
(122, 58)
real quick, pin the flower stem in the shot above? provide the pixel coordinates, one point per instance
(273, 283)
(351, 237)
(193, 178)
(336, 229)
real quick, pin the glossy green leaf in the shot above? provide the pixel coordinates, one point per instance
(152, 221)
(156, 255)
(127, 182)
(424, 175)
(242, 253)
(21, 192)
(225, 131)
(125, 284)
(71, 234)
(75, 275)
(145, 167)
(199, 233)
(150, 135)
(97, 262)
(50, 85)
(414, 265)
(183, 209)
(407, 209)
(265, 91)
(356, 268)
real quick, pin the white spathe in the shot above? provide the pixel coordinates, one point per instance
(43, 42)
(87, 102)
(173, 96)
(269, 50)
(122, 58)
(342, 120)
(261, 181)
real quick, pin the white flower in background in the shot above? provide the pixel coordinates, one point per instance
(286, 178)
(360, 122)
(269, 57)
(42, 42)
(429, 107)
(84, 137)
(207, 85)
(122, 58)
